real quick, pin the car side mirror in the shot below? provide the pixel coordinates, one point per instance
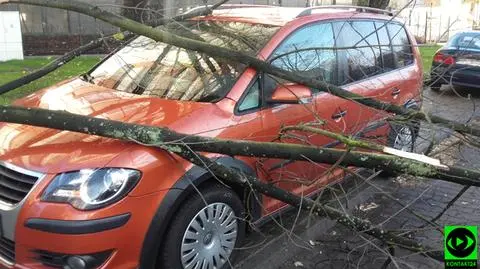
(291, 94)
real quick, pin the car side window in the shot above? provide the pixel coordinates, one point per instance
(252, 99)
(359, 48)
(309, 52)
(388, 56)
(401, 45)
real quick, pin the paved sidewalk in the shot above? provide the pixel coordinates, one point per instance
(325, 244)
(321, 243)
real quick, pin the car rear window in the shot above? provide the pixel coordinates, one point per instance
(152, 68)
(466, 40)
(400, 45)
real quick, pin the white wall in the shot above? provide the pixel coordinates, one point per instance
(10, 36)
(440, 22)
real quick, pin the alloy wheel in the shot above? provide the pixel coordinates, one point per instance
(404, 139)
(210, 238)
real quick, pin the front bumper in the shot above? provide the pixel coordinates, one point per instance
(46, 234)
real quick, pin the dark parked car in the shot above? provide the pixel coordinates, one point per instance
(458, 62)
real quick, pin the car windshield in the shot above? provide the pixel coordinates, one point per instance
(466, 40)
(146, 67)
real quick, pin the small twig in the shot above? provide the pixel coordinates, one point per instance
(391, 250)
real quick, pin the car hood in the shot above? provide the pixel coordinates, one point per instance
(53, 151)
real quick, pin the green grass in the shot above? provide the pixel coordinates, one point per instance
(427, 53)
(11, 70)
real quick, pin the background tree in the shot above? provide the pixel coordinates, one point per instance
(382, 4)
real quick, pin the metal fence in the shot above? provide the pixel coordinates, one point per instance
(55, 31)
(48, 21)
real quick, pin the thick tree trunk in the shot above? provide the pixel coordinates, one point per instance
(168, 139)
(190, 44)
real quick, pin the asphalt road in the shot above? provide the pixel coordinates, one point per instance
(297, 240)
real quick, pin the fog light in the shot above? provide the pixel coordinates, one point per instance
(76, 262)
(69, 261)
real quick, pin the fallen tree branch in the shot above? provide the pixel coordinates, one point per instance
(352, 143)
(234, 177)
(197, 12)
(183, 146)
(170, 140)
(59, 62)
(158, 34)
(69, 56)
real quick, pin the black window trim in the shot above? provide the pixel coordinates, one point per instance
(236, 110)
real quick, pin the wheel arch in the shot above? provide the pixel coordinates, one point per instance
(194, 178)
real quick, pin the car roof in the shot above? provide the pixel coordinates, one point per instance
(279, 16)
(469, 32)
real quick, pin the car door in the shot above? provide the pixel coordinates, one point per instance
(408, 75)
(309, 52)
(361, 70)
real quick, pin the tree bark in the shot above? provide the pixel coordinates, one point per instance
(236, 56)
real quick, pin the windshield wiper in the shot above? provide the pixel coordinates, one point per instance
(88, 78)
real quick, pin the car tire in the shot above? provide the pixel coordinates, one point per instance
(194, 237)
(401, 137)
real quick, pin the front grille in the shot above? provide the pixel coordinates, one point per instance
(14, 185)
(7, 250)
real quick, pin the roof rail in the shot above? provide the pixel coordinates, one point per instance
(308, 10)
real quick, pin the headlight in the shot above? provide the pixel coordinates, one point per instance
(91, 188)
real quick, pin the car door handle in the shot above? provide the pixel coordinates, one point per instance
(338, 116)
(396, 91)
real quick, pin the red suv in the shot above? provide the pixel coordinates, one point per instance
(70, 200)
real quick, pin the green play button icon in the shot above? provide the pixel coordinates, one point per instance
(459, 242)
